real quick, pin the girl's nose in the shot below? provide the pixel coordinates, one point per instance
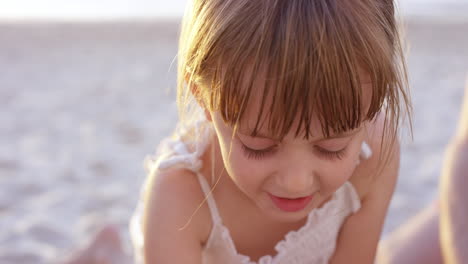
(297, 182)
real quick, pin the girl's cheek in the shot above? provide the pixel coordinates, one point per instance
(333, 178)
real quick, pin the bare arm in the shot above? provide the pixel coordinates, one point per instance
(169, 204)
(453, 194)
(360, 234)
(453, 204)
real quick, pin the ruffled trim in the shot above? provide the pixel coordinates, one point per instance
(338, 206)
(178, 151)
(366, 151)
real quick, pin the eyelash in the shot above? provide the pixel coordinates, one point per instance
(331, 155)
(260, 154)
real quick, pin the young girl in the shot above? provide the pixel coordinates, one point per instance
(286, 149)
(275, 166)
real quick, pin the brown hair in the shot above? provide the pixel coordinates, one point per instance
(309, 53)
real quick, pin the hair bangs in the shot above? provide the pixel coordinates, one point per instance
(296, 69)
(296, 61)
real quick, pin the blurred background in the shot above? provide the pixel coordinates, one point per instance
(87, 91)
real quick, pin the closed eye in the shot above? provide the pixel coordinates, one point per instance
(258, 153)
(331, 154)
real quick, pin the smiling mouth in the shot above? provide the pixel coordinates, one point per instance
(291, 205)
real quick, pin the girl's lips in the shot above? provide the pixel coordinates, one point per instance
(291, 205)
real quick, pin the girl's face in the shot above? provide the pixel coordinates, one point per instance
(287, 179)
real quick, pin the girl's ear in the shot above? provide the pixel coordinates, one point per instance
(194, 89)
(208, 115)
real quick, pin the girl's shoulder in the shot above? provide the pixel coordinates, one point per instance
(174, 208)
(385, 154)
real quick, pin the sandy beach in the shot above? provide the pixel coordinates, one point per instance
(81, 105)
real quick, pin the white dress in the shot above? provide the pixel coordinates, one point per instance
(313, 243)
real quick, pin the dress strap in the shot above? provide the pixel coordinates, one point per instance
(209, 199)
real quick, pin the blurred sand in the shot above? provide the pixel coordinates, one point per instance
(82, 104)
